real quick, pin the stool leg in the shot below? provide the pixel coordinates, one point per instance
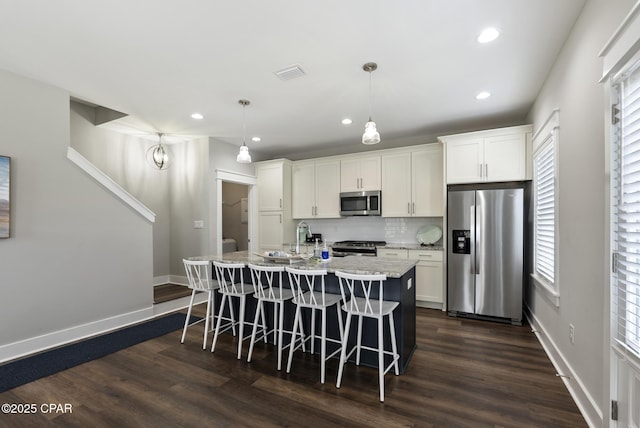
(206, 321)
(340, 327)
(359, 340)
(303, 338)
(233, 316)
(394, 346)
(313, 331)
(186, 320)
(293, 337)
(243, 300)
(215, 334)
(343, 351)
(381, 357)
(280, 307)
(323, 344)
(255, 327)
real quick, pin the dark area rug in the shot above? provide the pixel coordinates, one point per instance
(28, 369)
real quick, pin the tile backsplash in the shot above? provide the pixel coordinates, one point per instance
(391, 230)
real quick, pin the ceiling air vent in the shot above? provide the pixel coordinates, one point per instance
(290, 72)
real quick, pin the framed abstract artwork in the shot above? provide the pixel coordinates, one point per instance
(5, 196)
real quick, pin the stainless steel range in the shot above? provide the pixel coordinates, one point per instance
(356, 248)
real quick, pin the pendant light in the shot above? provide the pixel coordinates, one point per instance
(158, 155)
(371, 135)
(243, 155)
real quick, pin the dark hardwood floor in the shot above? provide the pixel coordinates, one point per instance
(465, 373)
(166, 292)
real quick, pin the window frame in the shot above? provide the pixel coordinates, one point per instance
(622, 307)
(546, 136)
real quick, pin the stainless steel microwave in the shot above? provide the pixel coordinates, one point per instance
(361, 203)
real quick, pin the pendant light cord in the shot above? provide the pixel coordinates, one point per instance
(244, 125)
(370, 96)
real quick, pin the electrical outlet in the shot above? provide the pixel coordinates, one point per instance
(572, 333)
(198, 224)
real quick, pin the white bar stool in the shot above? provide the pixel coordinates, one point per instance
(267, 291)
(353, 286)
(200, 280)
(231, 282)
(309, 292)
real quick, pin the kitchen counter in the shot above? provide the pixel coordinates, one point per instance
(392, 268)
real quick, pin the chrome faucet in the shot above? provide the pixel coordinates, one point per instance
(302, 223)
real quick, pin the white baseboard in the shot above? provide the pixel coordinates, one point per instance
(161, 280)
(44, 342)
(170, 279)
(586, 404)
(430, 305)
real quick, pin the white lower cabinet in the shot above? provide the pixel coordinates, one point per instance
(429, 275)
(393, 253)
(429, 271)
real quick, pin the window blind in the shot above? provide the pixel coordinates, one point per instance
(625, 177)
(544, 215)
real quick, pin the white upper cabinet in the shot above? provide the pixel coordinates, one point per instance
(488, 156)
(327, 189)
(396, 185)
(270, 177)
(359, 174)
(316, 189)
(427, 181)
(303, 183)
(412, 182)
(275, 225)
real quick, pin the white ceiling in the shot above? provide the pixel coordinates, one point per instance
(161, 60)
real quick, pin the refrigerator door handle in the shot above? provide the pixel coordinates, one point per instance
(472, 232)
(478, 240)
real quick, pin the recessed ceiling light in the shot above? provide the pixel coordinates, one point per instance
(255, 139)
(488, 35)
(197, 116)
(347, 121)
(483, 95)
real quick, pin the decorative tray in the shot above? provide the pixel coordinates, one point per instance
(282, 257)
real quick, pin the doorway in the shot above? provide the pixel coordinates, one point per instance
(226, 178)
(235, 217)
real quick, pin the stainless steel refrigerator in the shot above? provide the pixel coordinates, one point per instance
(486, 250)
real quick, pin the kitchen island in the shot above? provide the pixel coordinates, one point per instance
(399, 287)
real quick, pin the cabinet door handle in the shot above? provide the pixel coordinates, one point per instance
(280, 202)
(486, 170)
(408, 208)
(480, 165)
(413, 208)
(280, 218)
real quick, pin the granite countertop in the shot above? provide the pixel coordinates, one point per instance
(412, 246)
(392, 268)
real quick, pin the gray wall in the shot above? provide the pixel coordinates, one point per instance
(77, 253)
(189, 202)
(123, 158)
(572, 86)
